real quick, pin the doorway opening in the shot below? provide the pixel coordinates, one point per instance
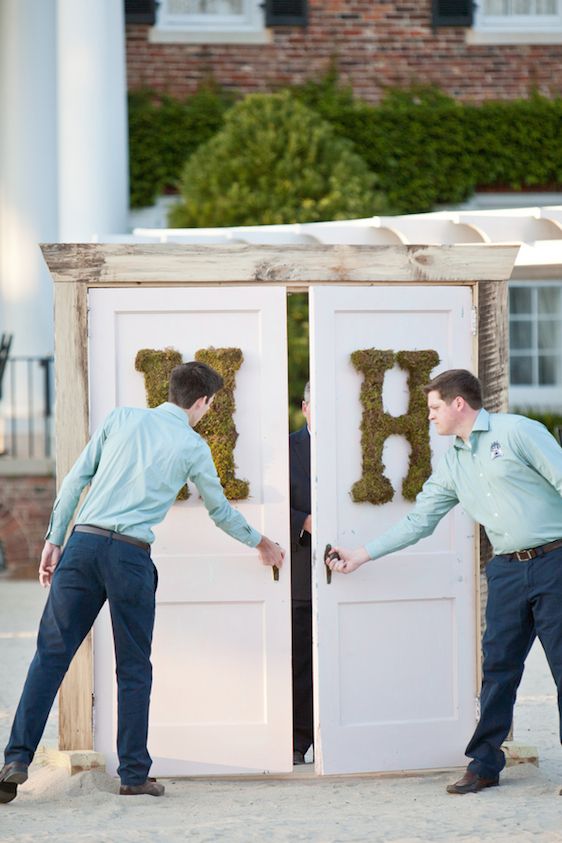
(300, 528)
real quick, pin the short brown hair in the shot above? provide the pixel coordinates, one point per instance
(455, 382)
(190, 381)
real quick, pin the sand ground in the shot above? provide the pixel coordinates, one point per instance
(86, 808)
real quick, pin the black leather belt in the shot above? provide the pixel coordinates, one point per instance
(527, 555)
(111, 534)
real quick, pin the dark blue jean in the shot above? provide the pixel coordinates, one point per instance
(524, 601)
(94, 569)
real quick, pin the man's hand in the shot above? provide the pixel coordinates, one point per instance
(307, 526)
(49, 559)
(270, 552)
(349, 560)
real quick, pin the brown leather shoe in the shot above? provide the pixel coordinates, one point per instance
(11, 775)
(149, 788)
(471, 783)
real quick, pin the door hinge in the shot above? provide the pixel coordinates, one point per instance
(474, 320)
(477, 708)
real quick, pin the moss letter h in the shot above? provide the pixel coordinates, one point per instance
(377, 426)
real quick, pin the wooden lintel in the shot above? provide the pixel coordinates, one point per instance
(99, 264)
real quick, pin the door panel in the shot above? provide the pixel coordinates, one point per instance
(395, 658)
(221, 700)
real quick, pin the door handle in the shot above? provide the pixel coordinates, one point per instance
(329, 554)
(275, 572)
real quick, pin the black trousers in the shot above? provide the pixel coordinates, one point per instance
(303, 722)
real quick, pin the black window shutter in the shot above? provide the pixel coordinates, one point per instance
(286, 13)
(452, 12)
(140, 11)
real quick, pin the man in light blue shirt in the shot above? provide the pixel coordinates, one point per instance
(506, 472)
(136, 463)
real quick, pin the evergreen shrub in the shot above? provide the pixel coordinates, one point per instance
(274, 161)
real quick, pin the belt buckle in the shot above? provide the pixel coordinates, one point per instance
(524, 555)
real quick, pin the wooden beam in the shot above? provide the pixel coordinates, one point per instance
(99, 264)
(72, 426)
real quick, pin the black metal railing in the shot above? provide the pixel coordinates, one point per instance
(26, 408)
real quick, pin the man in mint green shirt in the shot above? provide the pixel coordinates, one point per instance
(506, 472)
(136, 463)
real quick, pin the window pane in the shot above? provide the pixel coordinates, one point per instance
(520, 300)
(507, 8)
(205, 7)
(546, 7)
(549, 300)
(521, 371)
(549, 334)
(549, 370)
(520, 335)
(522, 7)
(496, 7)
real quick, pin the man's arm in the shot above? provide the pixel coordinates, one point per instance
(67, 499)
(225, 516)
(434, 501)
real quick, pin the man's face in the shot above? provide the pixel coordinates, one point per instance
(306, 411)
(445, 417)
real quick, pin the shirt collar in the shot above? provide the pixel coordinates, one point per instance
(481, 424)
(174, 410)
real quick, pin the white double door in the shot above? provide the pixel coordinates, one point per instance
(395, 643)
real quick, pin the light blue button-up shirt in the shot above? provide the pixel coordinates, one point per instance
(508, 478)
(137, 462)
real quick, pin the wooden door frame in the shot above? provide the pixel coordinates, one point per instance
(78, 267)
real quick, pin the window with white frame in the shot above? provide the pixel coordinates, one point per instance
(535, 335)
(518, 15)
(209, 15)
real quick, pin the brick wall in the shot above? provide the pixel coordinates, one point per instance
(25, 506)
(374, 44)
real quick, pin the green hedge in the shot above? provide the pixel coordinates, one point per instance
(164, 132)
(426, 148)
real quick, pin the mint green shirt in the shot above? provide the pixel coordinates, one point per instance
(137, 462)
(508, 478)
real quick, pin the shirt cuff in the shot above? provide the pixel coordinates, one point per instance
(55, 537)
(254, 538)
(373, 549)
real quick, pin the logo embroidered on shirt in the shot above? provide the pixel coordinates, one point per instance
(495, 450)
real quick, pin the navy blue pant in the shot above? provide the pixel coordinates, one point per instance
(91, 570)
(524, 601)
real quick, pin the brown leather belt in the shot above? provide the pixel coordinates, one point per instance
(527, 555)
(110, 534)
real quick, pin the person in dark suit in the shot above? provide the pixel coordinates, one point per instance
(301, 592)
